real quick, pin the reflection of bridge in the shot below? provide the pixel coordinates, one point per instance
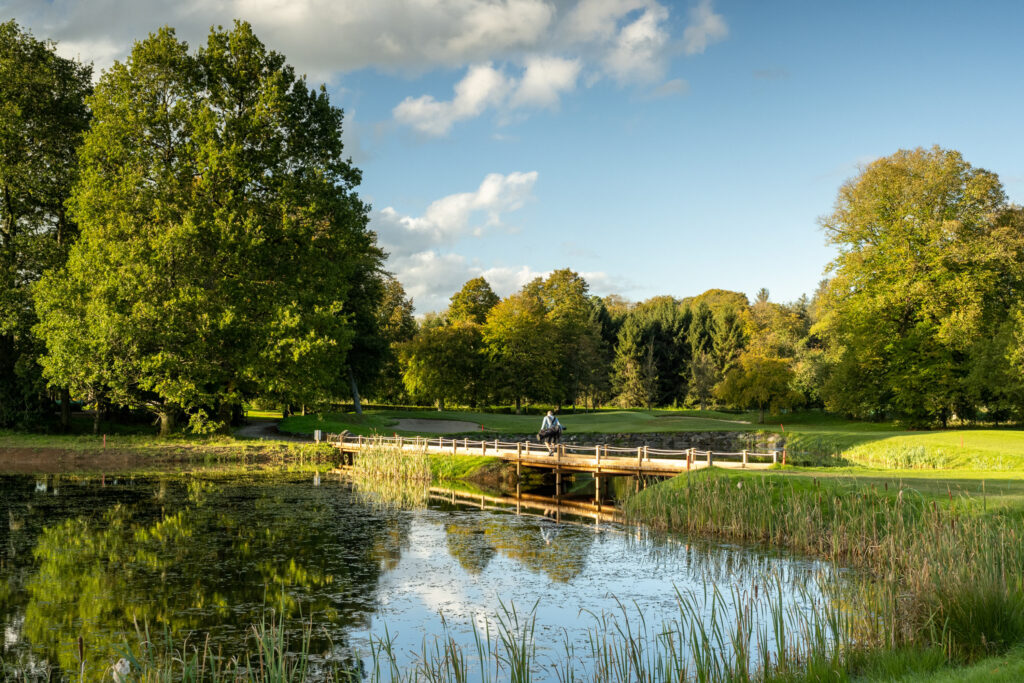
(530, 504)
(599, 459)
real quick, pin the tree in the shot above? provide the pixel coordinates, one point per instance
(396, 325)
(758, 381)
(42, 119)
(473, 302)
(518, 336)
(703, 377)
(928, 265)
(664, 325)
(728, 339)
(223, 251)
(446, 363)
(577, 340)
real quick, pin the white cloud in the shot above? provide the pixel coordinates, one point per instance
(451, 218)
(320, 37)
(705, 28)
(421, 252)
(482, 86)
(544, 81)
(639, 49)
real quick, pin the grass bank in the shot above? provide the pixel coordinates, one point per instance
(940, 573)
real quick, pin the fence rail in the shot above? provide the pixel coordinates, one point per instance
(597, 457)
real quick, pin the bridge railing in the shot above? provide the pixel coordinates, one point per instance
(496, 447)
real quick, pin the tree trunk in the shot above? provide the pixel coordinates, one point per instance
(519, 406)
(355, 392)
(96, 420)
(65, 410)
(440, 404)
(166, 422)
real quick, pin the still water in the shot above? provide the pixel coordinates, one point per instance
(206, 555)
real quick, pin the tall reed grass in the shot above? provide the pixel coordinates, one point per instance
(385, 475)
(934, 574)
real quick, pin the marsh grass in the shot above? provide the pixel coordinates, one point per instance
(392, 477)
(936, 574)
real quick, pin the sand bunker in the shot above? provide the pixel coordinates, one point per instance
(436, 426)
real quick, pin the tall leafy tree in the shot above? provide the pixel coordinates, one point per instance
(577, 339)
(396, 326)
(758, 382)
(524, 361)
(473, 302)
(222, 244)
(42, 119)
(925, 270)
(446, 363)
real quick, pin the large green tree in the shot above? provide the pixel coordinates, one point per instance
(42, 119)
(926, 269)
(222, 244)
(446, 363)
(522, 347)
(473, 302)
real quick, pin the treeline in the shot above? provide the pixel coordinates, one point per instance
(921, 320)
(185, 237)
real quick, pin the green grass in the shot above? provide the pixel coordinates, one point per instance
(379, 421)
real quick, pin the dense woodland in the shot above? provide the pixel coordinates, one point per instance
(184, 237)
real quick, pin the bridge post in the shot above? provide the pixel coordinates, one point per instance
(519, 450)
(527, 449)
(647, 455)
(360, 440)
(709, 458)
(744, 458)
(597, 491)
(401, 443)
(465, 444)
(597, 454)
(639, 456)
(483, 448)
(496, 449)
(455, 445)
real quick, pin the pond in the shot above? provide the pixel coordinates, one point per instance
(202, 557)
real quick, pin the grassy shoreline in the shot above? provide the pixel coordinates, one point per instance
(941, 572)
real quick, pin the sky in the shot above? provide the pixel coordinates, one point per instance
(655, 147)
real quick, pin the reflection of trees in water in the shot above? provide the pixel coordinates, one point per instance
(200, 555)
(558, 550)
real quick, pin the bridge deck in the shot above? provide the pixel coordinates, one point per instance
(597, 459)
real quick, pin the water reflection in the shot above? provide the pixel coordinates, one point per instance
(208, 553)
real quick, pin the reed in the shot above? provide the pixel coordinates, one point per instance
(935, 574)
(386, 475)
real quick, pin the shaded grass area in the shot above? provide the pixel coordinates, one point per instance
(943, 573)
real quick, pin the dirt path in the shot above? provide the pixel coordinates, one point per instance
(436, 426)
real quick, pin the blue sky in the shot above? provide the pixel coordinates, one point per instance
(656, 147)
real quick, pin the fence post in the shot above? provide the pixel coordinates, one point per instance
(519, 449)
(597, 454)
(360, 440)
(709, 458)
(744, 458)
(495, 445)
(639, 456)
(455, 445)
(647, 455)
(483, 448)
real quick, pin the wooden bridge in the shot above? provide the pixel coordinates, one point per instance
(599, 459)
